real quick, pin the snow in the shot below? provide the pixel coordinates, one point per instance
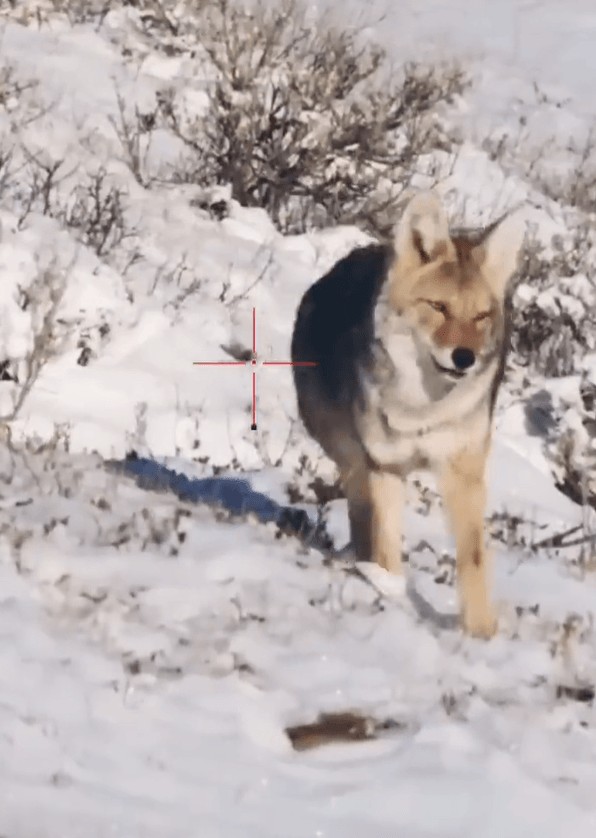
(158, 632)
(518, 43)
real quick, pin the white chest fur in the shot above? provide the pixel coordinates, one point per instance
(408, 387)
(394, 439)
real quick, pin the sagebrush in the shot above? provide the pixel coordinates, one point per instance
(306, 120)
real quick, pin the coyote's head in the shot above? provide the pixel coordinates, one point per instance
(452, 289)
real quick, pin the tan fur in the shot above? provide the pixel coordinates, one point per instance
(455, 279)
(387, 497)
(462, 483)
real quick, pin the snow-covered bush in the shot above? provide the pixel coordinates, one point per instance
(306, 120)
(554, 336)
(572, 447)
(96, 214)
(555, 306)
(28, 324)
(75, 11)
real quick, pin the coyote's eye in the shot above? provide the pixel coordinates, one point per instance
(482, 316)
(441, 307)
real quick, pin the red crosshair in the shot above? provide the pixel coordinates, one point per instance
(253, 364)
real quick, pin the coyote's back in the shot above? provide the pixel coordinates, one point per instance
(334, 327)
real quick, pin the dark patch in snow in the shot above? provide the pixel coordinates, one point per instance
(7, 373)
(540, 414)
(339, 727)
(585, 694)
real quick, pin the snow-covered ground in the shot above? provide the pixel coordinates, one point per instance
(543, 41)
(154, 649)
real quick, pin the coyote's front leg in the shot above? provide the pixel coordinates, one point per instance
(464, 495)
(387, 499)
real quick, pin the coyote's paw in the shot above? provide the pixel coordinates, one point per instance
(480, 621)
(391, 585)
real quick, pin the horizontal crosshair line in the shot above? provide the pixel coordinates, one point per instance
(220, 363)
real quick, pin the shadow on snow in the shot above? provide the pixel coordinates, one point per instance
(234, 495)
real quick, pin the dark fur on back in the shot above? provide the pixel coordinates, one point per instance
(334, 327)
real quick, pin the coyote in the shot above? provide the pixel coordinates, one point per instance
(410, 340)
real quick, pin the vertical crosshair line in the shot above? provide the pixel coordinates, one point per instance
(254, 333)
(253, 363)
(253, 427)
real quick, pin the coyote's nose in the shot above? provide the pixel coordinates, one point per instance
(462, 358)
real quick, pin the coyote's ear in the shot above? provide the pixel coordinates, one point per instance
(498, 253)
(422, 233)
